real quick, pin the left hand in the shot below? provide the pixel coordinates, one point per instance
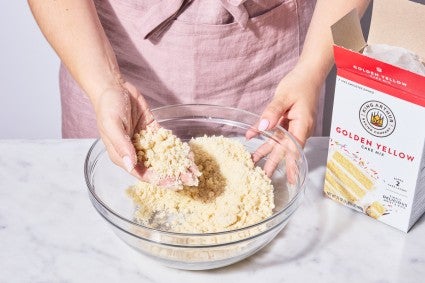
(294, 106)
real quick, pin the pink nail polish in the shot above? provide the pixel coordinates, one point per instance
(127, 163)
(262, 126)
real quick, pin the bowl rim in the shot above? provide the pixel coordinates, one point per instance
(298, 194)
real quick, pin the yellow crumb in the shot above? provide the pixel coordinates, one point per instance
(232, 192)
(164, 152)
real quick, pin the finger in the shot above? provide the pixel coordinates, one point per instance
(252, 132)
(113, 155)
(272, 114)
(189, 179)
(270, 166)
(287, 152)
(272, 142)
(301, 129)
(137, 171)
(142, 108)
(270, 117)
(291, 168)
(276, 149)
(120, 142)
(263, 150)
(141, 173)
(261, 125)
(274, 159)
(193, 168)
(291, 155)
(150, 176)
(300, 134)
(146, 119)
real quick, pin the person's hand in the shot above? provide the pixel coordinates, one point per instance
(294, 106)
(153, 145)
(121, 111)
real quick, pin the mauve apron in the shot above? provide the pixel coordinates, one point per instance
(225, 52)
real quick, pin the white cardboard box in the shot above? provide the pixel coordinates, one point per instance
(376, 159)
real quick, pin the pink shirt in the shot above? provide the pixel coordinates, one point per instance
(225, 52)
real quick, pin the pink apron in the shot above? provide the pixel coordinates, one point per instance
(225, 52)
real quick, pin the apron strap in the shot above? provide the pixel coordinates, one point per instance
(159, 18)
(237, 10)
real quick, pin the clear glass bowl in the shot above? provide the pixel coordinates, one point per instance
(107, 183)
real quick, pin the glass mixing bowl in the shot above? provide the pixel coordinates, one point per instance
(107, 183)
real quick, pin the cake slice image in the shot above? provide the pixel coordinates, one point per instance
(375, 210)
(347, 182)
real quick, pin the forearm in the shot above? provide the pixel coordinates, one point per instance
(73, 29)
(317, 54)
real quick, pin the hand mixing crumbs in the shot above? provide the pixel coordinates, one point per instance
(232, 192)
(167, 156)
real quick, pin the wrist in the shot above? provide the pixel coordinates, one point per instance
(111, 79)
(315, 72)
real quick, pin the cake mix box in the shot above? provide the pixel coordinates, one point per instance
(376, 158)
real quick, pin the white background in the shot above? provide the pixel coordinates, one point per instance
(29, 91)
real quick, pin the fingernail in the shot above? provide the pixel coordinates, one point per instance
(127, 163)
(264, 123)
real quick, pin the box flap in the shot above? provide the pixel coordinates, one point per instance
(398, 23)
(347, 32)
(379, 75)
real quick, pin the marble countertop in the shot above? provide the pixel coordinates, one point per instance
(49, 231)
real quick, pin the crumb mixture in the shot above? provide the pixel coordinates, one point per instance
(166, 154)
(232, 192)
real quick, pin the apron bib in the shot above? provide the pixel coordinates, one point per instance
(171, 58)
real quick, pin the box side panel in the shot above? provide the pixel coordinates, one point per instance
(419, 198)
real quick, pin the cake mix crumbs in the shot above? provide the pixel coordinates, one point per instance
(232, 192)
(167, 155)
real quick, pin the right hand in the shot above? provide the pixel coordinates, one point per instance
(121, 111)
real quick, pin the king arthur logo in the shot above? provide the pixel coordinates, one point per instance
(377, 118)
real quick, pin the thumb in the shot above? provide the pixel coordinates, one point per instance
(121, 147)
(270, 117)
(272, 114)
(127, 153)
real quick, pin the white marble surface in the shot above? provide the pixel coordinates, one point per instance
(49, 231)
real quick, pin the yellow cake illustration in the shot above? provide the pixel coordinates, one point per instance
(347, 182)
(375, 210)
